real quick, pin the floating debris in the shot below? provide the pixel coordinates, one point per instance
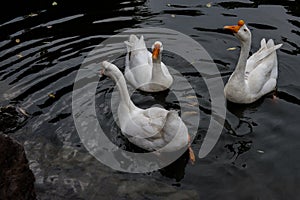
(23, 111)
(19, 55)
(208, 5)
(51, 95)
(190, 113)
(54, 3)
(260, 151)
(173, 15)
(191, 97)
(18, 40)
(231, 49)
(32, 15)
(169, 5)
(49, 26)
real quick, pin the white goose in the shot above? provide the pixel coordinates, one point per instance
(144, 70)
(253, 77)
(151, 128)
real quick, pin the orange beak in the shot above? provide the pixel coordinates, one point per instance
(235, 28)
(155, 52)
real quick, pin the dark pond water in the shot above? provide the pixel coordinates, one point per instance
(257, 156)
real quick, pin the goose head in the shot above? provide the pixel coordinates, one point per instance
(107, 69)
(240, 31)
(157, 48)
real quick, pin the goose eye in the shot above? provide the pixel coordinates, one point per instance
(245, 30)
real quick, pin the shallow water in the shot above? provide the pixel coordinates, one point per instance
(256, 156)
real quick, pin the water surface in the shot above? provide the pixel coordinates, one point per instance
(42, 47)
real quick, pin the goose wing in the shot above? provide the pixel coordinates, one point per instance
(144, 123)
(262, 55)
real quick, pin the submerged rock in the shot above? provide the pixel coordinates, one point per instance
(11, 118)
(16, 178)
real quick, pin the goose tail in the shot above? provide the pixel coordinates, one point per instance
(271, 45)
(134, 43)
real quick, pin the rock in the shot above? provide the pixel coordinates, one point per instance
(12, 118)
(16, 178)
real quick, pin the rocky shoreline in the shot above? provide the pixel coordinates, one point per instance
(16, 178)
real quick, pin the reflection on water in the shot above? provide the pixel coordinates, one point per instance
(42, 47)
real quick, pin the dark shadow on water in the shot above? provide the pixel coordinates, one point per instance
(184, 12)
(239, 109)
(295, 51)
(162, 98)
(238, 148)
(262, 26)
(293, 7)
(245, 125)
(287, 97)
(176, 170)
